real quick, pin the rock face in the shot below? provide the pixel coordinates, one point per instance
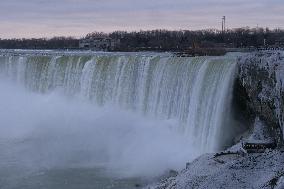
(261, 80)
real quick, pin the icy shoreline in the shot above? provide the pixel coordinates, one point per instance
(259, 170)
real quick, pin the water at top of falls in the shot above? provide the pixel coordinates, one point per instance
(143, 112)
(31, 52)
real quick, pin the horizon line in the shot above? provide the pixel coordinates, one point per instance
(140, 30)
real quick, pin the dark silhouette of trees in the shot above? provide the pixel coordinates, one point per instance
(163, 40)
(41, 43)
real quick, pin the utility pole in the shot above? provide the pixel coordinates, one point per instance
(223, 24)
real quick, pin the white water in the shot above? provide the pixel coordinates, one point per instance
(136, 114)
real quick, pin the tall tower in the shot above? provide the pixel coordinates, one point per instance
(223, 24)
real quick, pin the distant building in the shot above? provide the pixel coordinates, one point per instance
(99, 43)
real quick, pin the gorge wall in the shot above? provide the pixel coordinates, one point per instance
(260, 88)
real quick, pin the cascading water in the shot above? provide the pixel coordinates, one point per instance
(190, 96)
(193, 91)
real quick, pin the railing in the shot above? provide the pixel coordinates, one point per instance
(270, 49)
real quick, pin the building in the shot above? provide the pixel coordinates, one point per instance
(258, 146)
(99, 43)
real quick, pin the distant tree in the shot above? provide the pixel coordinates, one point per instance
(40, 43)
(161, 40)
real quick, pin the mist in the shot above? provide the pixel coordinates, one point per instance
(46, 131)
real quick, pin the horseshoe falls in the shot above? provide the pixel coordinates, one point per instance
(111, 118)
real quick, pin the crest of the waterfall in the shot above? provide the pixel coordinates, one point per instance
(194, 92)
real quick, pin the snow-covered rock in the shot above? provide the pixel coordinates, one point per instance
(233, 171)
(260, 133)
(262, 76)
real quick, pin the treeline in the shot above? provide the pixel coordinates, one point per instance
(40, 43)
(182, 40)
(163, 40)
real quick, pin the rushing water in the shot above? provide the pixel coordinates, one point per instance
(108, 120)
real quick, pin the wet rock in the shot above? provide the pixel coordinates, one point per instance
(173, 173)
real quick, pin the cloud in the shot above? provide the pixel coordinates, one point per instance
(77, 17)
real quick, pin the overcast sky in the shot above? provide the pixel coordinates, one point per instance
(46, 18)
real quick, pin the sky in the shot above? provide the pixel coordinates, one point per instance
(47, 18)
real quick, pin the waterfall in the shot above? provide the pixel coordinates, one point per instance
(194, 91)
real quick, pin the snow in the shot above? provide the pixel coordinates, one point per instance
(280, 183)
(261, 133)
(229, 171)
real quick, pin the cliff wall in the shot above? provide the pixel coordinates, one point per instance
(260, 86)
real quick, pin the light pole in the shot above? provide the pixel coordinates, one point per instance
(223, 24)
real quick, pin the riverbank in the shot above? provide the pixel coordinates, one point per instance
(259, 170)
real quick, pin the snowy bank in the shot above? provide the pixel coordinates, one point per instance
(259, 170)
